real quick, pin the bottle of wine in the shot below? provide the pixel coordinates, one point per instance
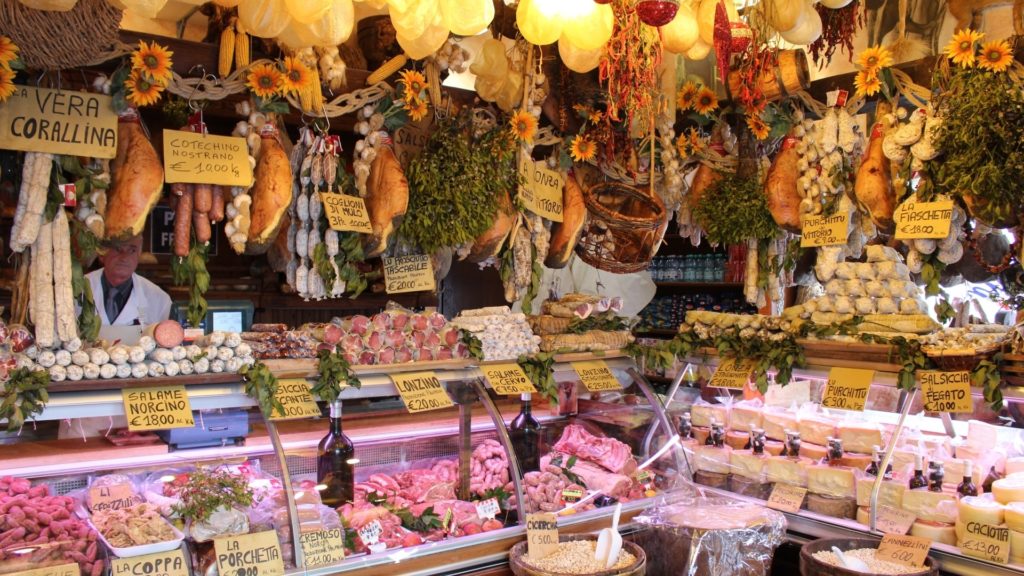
(335, 463)
(792, 449)
(967, 487)
(834, 456)
(685, 427)
(525, 435)
(936, 474)
(872, 469)
(918, 480)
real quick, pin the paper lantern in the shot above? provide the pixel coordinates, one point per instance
(50, 5)
(144, 8)
(307, 11)
(540, 21)
(430, 41)
(511, 93)
(588, 26)
(264, 18)
(783, 15)
(577, 60)
(296, 36)
(416, 18)
(809, 29)
(835, 4)
(227, 3)
(679, 35)
(490, 63)
(657, 12)
(706, 18)
(698, 51)
(336, 25)
(467, 17)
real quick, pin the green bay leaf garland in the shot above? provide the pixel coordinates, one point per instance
(23, 396)
(733, 210)
(261, 385)
(333, 371)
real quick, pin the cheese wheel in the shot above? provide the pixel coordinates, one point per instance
(713, 459)
(813, 451)
(736, 439)
(700, 434)
(745, 418)
(931, 506)
(1014, 465)
(747, 464)
(980, 509)
(890, 493)
(864, 515)
(1016, 546)
(1009, 489)
(831, 481)
(1013, 514)
(787, 470)
(774, 447)
(704, 414)
(775, 424)
(860, 437)
(816, 429)
(940, 532)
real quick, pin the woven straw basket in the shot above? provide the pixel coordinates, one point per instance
(624, 227)
(84, 35)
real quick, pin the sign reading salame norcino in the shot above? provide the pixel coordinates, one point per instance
(59, 122)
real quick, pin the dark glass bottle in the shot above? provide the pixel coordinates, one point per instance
(967, 487)
(524, 432)
(792, 449)
(918, 480)
(757, 441)
(888, 468)
(872, 469)
(717, 435)
(685, 427)
(834, 456)
(936, 474)
(335, 463)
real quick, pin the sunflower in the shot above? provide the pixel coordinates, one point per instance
(6, 83)
(153, 61)
(414, 83)
(582, 109)
(296, 77)
(141, 91)
(583, 149)
(706, 102)
(683, 145)
(758, 127)
(874, 58)
(8, 51)
(417, 109)
(596, 116)
(686, 95)
(264, 80)
(867, 83)
(995, 56)
(961, 47)
(523, 125)
(697, 144)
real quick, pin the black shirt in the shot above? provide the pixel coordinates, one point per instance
(115, 297)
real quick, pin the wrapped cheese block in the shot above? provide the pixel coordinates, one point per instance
(816, 429)
(831, 481)
(703, 414)
(861, 437)
(775, 424)
(931, 506)
(700, 434)
(981, 509)
(736, 439)
(985, 457)
(855, 461)
(955, 468)
(787, 470)
(903, 461)
(814, 452)
(864, 515)
(1009, 489)
(747, 464)
(745, 418)
(1016, 547)
(774, 447)
(1013, 514)
(889, 494)
(712, 459)
(941, 532)
(836, 507)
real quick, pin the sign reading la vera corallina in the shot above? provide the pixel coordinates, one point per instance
(421, 391)
(196, 158)
(824, 230)
(59, 122)
(508, 379)
(946, 391)
(847, 388)
(157, 408)
(923, 220)
(256, 554)
(408, 274)
(296, 397)
(541, 189)
(170, 563)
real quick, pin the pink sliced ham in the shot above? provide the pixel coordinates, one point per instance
(386, 355)
(424, 354)
(374, 340)
(594, 476)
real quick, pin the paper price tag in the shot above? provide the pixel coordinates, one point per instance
(786, 497)
(732, 373)
(408, 274)
(488, 509)
(541, 534)
(70, 193)
(906, 550)
(421, 391)
(59, 122)
(295, 396)
(370, 533)
(61, 570)
(847, 388)
(197, 158)
(508, 379)
(572, 495)
(923, 220)
(346, 213)
(824, 230)
(158, 408)
(323, 547)
(256, 554)
(596, 376)
(448, 521)
(160, 564)
(947, 391)
(891, 520)
(541, 189)
(113, 497)
(987, 542)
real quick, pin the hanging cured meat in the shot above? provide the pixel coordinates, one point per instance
(138, 180)
(387, 199)
(780, 186)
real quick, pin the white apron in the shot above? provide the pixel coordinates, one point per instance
(146, 304)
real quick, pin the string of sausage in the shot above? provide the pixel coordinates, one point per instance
(196, 208)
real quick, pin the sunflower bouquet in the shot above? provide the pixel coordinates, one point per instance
(270, 82)
(873, 75)
(9, 64)
(144, 82)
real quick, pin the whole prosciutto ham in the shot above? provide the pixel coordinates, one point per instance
(873, 188)
(780, 187)
(387, 199)
(138, 181)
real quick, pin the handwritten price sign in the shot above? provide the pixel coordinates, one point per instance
(346, 213)
(847, 388)
(907, 550)
(408, 274)
(923, 220)
(541, 189)
(824, 230)
(421, 391)
(194, 158)
(157, 408)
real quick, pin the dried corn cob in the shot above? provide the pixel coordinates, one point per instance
(227, 50)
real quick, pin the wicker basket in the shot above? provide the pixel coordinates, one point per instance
(88, 34)
(624, 227)
(955, 360)
(521, 568)
(1013, 369)
(811, 566)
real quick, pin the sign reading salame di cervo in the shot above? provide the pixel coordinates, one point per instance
(59, 122)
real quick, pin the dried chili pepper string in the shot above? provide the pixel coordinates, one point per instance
(838, 28)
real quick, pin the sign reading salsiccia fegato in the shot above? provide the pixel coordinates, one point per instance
(59, 122)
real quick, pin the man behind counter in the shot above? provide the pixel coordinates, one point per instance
(123, 298)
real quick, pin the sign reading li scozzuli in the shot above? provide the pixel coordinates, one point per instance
(59, 122)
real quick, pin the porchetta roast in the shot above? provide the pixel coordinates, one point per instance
(138, 180)
(271, 193)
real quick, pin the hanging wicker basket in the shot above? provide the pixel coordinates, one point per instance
(82, 36)
(624, 227)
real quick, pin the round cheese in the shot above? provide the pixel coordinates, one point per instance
(1016, 546)
(864, 515)
(736, 439)
(980, 509)
(1014, 465)
(1014, 515)
(934, 531)
(1009, 489)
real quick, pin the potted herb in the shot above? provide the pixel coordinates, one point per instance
(212, 504)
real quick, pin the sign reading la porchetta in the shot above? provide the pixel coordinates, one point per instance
(59, 122)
